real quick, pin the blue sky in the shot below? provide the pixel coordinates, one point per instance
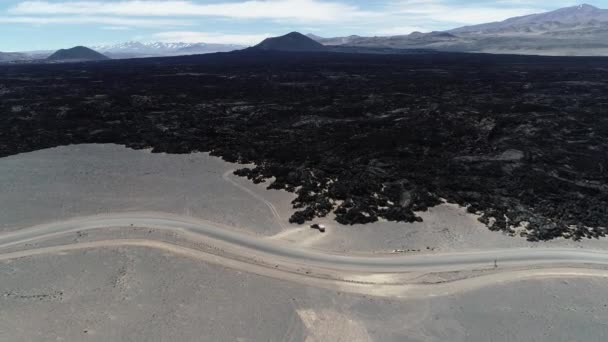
(52, 24)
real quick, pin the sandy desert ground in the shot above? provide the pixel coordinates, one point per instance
(144, 294)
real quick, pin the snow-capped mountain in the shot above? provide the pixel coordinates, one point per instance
(158, 49)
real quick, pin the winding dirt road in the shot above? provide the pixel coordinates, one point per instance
(263, 255)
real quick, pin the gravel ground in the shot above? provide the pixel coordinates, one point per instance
(81, 180)
(137, 294)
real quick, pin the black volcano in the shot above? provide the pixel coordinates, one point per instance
(293, 41)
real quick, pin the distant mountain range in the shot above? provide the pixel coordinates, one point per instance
(130, 50)
(571, 31)
(581, 19)
(158, 49)
(12, 56)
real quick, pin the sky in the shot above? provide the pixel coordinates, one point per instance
(53, 24)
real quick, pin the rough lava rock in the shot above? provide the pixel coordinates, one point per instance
(521, 141)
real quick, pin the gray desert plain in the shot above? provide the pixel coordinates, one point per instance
(134, 282)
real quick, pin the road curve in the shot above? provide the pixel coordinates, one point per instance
(249, 245)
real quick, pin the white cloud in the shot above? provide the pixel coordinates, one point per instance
(390, 17)
(468, 14)
(399, 30)
(106, 20)
(309, 10)
(398, 17)
(117, 28)
(211, 37)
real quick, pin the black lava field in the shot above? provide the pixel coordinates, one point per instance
(521, 141)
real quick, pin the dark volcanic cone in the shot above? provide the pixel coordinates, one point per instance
(78, 53)
(293, 41)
